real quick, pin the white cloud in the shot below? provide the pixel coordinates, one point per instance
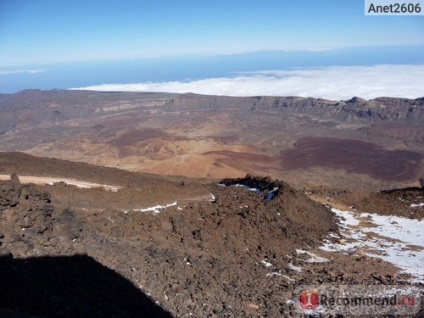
(335, 82)
(9, 72)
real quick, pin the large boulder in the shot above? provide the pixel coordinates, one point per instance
(10, 192)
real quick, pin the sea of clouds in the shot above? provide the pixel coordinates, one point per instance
(334, 82)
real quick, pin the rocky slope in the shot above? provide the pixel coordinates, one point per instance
(234, 252)
(202, 258)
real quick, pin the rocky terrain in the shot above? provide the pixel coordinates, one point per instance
(221, 250)
(186, 205)
(301, 140)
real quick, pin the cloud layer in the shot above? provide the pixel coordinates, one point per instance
(11, 72)
(335, 82)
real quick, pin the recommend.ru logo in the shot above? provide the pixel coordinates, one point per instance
(374, 300)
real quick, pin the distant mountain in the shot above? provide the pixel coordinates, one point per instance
(220, 136)
(80, 104)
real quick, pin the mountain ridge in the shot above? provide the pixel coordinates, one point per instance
(354, 109)
(215, 137)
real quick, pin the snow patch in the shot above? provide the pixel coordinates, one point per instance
(295, 268)
(313, 257)
(417, 205)
(395, 239)
(274, 274)
(269, 195)
(267, 264)
(238, 185)
(347, 218)
(156, 208)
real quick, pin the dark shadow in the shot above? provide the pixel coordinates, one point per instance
(74, 286)
(403, 190)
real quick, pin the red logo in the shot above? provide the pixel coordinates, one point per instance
(309, 299)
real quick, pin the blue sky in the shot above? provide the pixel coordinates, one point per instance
(317, 48)
(56, 31)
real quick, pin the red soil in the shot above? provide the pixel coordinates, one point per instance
(354, 156)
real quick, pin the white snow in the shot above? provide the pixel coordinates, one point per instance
(288, 278)
(156, 208)
(247, 187)
(238, 185)
(417, 205)
(349, 217)
(313, 312)
(316, 259)
(274, 274)
(313, 257)
(389, 238)
(407, 230)
(267, 264)
(295, 268)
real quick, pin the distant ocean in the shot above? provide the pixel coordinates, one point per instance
(186, 69)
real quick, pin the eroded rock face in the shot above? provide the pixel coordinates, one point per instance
(29, 223)
(10, 192)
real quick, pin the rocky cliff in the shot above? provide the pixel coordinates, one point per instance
(56, 105)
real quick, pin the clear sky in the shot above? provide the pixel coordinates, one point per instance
(51, 31)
